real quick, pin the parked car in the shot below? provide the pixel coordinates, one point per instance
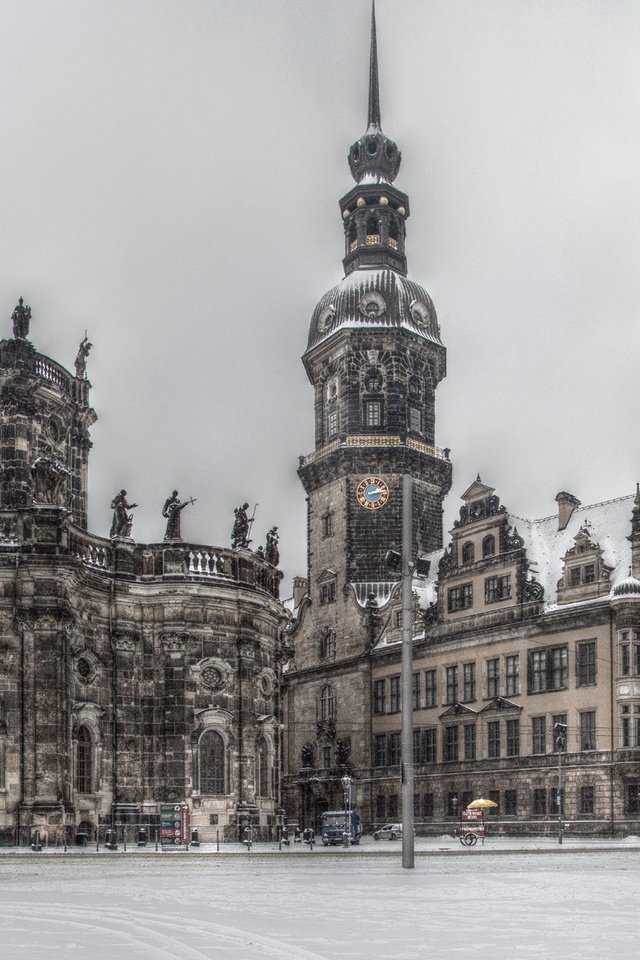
(390, 831)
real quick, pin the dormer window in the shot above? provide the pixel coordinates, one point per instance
(468, 552)
(489, 546)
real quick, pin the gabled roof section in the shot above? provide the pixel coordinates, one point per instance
(607, 524)
(476, 490)
(327, 574)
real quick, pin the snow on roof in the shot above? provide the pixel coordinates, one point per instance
(608, 524)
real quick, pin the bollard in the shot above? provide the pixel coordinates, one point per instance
(36, 844)
(195, 839)
(142, 837)
(111, 842)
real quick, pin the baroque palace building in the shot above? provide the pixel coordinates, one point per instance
(526, 634)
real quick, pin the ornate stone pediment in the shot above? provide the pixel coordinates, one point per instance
(500, 704)
(458, 710)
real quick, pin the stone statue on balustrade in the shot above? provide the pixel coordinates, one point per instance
(271, 553)
(241, 527)
(81, 359)
(122, 521)
(171, 510)
(21, 318)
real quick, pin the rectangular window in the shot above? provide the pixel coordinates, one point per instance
(415, 691)
(416, 806)
(380, 750)
(469, 681)
(537, 671)
(393, 751)
(328, 592)
(450, 743)
(513, 738)
(512, 678)
(493, 739)
(373, 413)
(460, 598)
(559, 668)
(430, 688)
(381, 807)
(452, 684)
(539, 730)
(415, 420)
(589, 573)
(586, 663)
(575, 576)
(326, 757)
(587, 800)
(427, 805)
(379, 692)
(394, 694)
(392, 807)
(633, 799)
(510, 803)
(327, 525)
(497, 588)
(430, 741)
(418, 741)
(548, 669)
(470, 741)
(493, 677)
(333, 423)
(539, 802)
(588, 730)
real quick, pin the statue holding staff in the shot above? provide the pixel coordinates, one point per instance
(171, 510)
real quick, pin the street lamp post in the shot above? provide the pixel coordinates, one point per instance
(346, 789)
(560, 730)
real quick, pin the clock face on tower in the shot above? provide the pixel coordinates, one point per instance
(372, 493)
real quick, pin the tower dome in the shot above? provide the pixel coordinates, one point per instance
(627, 589)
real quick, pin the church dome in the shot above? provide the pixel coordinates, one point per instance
(629, 588)
(374, 299)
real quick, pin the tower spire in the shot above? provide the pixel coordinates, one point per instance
(374, 157)
(374, 90)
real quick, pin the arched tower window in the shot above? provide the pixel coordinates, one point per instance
(212, 763)
(489, 546)
(331, 409)
(262, 768)
(372, 230)
(84, 761)
(327, 703)
(468, 552)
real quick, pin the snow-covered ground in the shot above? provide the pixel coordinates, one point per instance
(494, 903)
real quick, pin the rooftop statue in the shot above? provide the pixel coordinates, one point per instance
(242, 527)
(171, 510)
(21, 318)
(271, 553)
(122, 521)
(81, 359)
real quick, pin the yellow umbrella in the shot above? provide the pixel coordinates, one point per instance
(481, 804)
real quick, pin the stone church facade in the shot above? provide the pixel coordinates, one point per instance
(526, 634)
(131, 675)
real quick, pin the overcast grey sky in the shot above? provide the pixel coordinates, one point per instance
(170, 173)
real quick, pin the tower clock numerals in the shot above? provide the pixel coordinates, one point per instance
(372, 493)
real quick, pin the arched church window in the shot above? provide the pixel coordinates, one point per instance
(212, 763)
(327, 703)
(327, 644)
(373, 380)
(468, 552)
(262, 768)
(489, 546)
(84, 761)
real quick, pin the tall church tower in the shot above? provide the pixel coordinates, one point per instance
(375, 358)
